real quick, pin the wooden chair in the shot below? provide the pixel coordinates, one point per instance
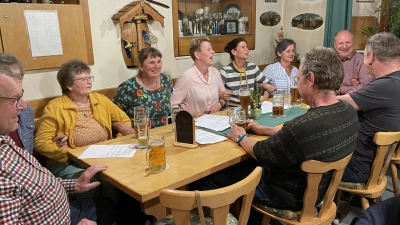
(308, 215)
(182, 202)
(376, 184)
(395, 160)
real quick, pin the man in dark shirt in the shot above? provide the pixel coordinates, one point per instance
(377, 103)
(327, 132)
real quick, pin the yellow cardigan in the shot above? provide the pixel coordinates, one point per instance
(60, 117)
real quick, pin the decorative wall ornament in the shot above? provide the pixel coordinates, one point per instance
(307, 21)
(270, 18)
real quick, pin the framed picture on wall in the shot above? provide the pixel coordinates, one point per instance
(231, 26)
(271, 1)
(365, 0)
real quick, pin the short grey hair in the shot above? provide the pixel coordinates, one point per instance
(385, 46)
(11, 61)
(326, 66)
(67, 72)
(5, 71)
(195, 45)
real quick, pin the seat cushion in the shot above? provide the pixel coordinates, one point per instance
(283, 213)
(354, 186)
(195, 220)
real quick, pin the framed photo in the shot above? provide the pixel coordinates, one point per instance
(231, 26)
(365, 0)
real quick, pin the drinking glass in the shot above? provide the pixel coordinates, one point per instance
(155, 156)
(141, 117)
(294, 93)
(174, 111)
(238, 117)
(278, 103)
(244, 96)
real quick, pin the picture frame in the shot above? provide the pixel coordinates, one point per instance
(365, 0)
(231, 26)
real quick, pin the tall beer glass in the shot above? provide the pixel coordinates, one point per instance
(294, 93)
(142, 124)
(244, 96)
(156, 153)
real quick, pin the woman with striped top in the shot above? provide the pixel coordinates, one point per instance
(240, 73)
(282, 74)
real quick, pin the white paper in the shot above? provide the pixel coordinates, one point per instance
(213, 122)
(205, 137)
(109, 151)
(44, 32)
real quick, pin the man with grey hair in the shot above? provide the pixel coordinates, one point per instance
(356, 75)
(23, 136)
(377, 103)
(327, 132)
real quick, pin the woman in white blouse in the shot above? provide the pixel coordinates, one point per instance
(282, 74)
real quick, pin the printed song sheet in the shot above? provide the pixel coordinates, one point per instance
(109, 151)
(204, 137)
(213, 122)
(44, 32)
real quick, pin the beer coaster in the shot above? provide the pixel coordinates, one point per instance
(277, 116)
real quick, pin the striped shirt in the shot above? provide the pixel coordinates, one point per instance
(29, 193)
(278, 77)
(231, 78)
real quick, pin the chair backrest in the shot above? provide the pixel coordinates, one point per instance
(387, 144)
(182, 202)
(315, 170)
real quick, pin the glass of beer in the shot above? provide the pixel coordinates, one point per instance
(238, 117)
(244, 96)
(155, 156)
(278, 103)
(142, 125)
(295, 95)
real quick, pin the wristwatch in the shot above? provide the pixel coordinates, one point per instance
(240, 138)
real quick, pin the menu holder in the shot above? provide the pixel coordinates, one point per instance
(185, 135)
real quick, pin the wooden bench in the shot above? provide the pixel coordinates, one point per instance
(39, 104)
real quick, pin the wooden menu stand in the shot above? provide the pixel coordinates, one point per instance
(185, 135)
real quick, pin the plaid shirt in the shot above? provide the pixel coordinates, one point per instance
(29, 193)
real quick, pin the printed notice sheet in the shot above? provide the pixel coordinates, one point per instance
(109, 151)
(205, 137)
(44, 32)
(213, 122)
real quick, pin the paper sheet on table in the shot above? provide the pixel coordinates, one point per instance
(204, 137)
(109, 151)
(213, 122)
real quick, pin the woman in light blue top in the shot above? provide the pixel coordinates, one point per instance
(282, 74)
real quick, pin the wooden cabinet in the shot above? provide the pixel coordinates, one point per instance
(73, 19)
(181, 8)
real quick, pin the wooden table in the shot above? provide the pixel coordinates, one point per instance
(185, 166)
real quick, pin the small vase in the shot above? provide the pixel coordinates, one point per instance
(255, 113)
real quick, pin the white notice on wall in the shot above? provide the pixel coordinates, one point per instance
(44, 32)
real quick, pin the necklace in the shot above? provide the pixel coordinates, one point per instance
(77, 106)
(240, 72)
(148, 87)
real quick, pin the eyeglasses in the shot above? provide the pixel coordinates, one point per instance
(86, 79)
(15, 99)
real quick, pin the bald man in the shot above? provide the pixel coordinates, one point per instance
(356, 74)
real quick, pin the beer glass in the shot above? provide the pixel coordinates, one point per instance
(294, 93)
(244, 96)
(238, 117)
(142, 125)
(174, 111)
(278, 103)
(155, 156)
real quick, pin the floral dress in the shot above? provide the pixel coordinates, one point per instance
(130, 94)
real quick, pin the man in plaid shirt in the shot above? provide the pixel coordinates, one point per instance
(29, 193)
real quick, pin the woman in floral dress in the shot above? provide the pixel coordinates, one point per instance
(149, 88)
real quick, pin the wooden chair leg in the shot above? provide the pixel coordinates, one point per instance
(265, 220)
(395, 179)
(364, 203)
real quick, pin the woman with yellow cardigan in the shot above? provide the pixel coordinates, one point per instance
(77, 118)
